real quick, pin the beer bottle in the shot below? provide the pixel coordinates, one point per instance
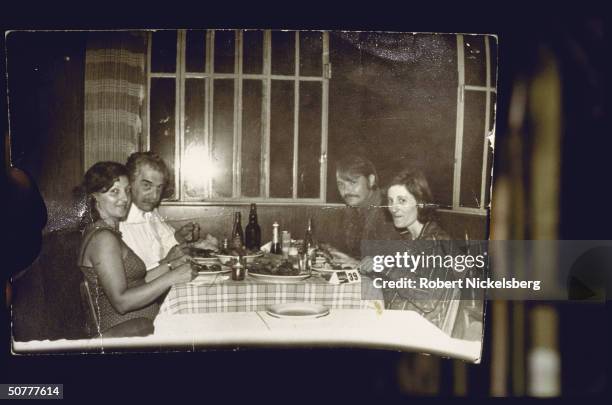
(309, 245)
(253, 231)
(276, 247)
(237, 232)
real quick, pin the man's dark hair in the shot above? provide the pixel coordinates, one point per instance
(138, 159)
(356, 165)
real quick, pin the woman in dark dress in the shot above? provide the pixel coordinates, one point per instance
(410, 203)
(124, 302)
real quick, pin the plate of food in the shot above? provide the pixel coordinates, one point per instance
(276, 270)
(199, 253)
(209, 269)
(229, 260)
(326, 267)
(270, 278)
(230, 256)
(205, 260)
(297, 310)
(325, 262)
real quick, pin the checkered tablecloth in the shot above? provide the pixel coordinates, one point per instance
(222, 295)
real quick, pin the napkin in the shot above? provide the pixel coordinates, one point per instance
(266, 248)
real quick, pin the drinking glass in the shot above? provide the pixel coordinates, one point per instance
(303, 264)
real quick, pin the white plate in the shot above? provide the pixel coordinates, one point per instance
(297, 310)
(279, 279)
(205, 278)
(325, 270)
(214, 273)
(224, 259)
(205, 260)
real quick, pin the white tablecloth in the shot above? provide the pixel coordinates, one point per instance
(355, 328)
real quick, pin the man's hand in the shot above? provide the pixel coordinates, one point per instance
(188, 233)
(175, 253)
(210, 243)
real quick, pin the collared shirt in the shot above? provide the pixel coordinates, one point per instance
(148, 235)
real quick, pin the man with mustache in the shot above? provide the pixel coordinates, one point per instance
(144, 230)
(365, 216)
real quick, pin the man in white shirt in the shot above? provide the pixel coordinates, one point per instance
(144, 230)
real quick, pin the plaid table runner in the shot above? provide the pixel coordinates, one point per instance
(253, 295)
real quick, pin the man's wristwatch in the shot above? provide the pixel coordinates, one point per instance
(170, 266)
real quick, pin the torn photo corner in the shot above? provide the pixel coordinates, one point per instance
(215, 188)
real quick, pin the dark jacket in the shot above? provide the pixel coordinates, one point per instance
(368, 222)
(432, 303)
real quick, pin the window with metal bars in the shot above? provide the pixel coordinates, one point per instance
(240, 115)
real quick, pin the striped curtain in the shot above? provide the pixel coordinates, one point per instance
(115, 83)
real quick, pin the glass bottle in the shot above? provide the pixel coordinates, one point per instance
(276, 247)
(237, 233)
(238, 270)
(309, 244)
(252, 235)
(285, 242)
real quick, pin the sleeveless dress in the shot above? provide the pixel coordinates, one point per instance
(135, 272)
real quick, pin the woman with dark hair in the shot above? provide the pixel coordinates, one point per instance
(124, 301)
(410, 203)
(412, 209)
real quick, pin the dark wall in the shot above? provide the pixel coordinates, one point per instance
(394, 98)
(46, 90)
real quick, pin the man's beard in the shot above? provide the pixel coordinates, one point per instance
(362, 202)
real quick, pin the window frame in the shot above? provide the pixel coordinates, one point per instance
(180, 76)
(488, 134)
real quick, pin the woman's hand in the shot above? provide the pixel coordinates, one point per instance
(182, 274)
(366, 265)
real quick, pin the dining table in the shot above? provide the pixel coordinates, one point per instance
(213, 311)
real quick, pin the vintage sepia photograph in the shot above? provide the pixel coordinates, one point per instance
(229, 188)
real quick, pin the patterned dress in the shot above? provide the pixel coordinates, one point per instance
(135, 273)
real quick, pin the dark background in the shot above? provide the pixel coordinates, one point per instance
(576, 36)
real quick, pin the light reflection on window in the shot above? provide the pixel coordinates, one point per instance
(198, 168)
